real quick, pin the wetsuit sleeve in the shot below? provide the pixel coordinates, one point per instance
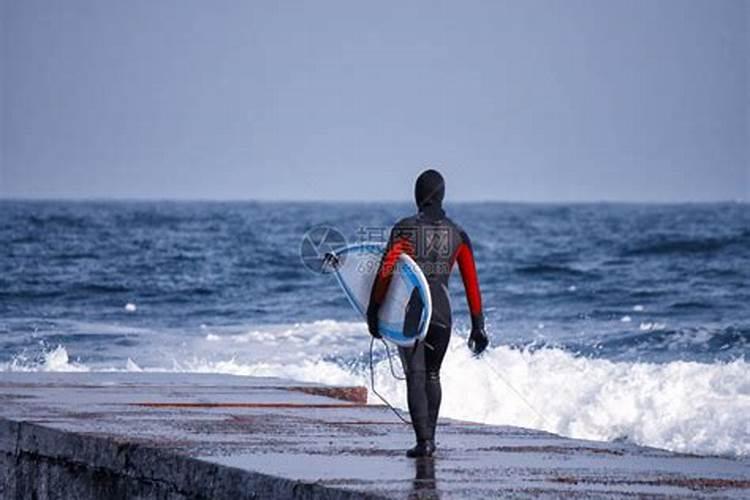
(397, 244)
(465, 259)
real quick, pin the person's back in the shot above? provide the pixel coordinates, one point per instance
(436, 243)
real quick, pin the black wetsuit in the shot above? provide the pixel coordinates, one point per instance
(436, 243)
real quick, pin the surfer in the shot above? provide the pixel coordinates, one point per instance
(435, 243)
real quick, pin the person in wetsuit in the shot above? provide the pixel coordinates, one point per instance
(435, 243)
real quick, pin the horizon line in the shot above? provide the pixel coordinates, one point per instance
(98, 199)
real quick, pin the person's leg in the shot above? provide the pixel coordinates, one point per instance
(413, 360)
(436, 341)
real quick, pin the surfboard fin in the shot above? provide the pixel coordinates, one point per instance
(413, 314)
(330, 261)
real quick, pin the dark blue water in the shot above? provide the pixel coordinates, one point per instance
(644, 282)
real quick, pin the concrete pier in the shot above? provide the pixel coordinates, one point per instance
(180, 436)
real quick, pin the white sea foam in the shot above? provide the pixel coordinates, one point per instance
(132, 366)
(681, 406)
(647, 326)
(53, 360)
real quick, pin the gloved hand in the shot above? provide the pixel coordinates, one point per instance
(372, 320)
(478, 340)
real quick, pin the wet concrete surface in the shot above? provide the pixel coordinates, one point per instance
(220, 436)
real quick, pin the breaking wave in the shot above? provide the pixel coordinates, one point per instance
(680, 405)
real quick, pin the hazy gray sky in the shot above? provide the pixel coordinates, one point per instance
(527, 100)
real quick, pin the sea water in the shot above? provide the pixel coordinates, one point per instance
(607, 321)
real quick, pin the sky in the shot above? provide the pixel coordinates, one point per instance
(564, 100)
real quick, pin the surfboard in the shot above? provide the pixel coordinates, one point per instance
(404, 316)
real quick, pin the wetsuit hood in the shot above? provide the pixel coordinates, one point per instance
(429, 191)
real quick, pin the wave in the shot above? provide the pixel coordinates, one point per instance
(654, 338)
(680, 245)
(680, 406)
(550, 270)
(98, 288)
(13, 293)
(63, 221)
(52, 360)
(691, 304)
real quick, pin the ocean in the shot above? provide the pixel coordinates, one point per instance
(607, 321)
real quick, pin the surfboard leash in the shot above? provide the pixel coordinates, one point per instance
(518, 393)
(390, 361)
(372, 380)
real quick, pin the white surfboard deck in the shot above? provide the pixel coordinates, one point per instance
(355, 268)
